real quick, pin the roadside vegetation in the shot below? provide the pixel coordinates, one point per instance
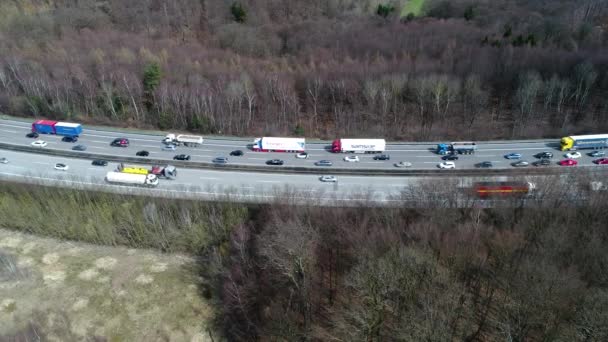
(301, 272)
(408, 70)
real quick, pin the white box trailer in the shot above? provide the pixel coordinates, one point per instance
(184, 139)
(148, 180)
(358, 146)
(271, 144)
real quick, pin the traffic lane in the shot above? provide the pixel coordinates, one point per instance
(35, 164)
(430, 161)
(218, 144)
(413, 153)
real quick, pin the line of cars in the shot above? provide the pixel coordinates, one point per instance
(544, 158)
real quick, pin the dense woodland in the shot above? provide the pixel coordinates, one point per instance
(284, 272)
(325, 68)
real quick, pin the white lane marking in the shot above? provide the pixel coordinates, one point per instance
(42, 163)
(244, 145)
(101, 142)
(517, 148)
(210, 178)
(263, 181)
(258, 158)
(420, 150)
(6, 130)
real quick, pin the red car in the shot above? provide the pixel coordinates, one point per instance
(568, 162)
(601, 161)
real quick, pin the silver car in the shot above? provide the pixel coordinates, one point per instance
(328, 179)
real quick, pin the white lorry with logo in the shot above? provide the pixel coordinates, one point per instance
(358, 146)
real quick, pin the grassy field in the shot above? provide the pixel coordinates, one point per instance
(412, 6)
(66, 291)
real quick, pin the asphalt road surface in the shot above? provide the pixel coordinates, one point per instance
(251, 186)
(420, 155)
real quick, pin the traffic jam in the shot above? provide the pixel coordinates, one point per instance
(571, 148)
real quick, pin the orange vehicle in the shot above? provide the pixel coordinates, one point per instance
(502, 189)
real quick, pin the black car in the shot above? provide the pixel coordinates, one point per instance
(182, 157)
(542, 162)
(99, 162)
(121, 142)
(79, 148)
(236, 153)
(275, 162)
(32, 135)
(69, 139)
(382, 157)
(485, 164)
(142, 153)
(543, 155)
(450, 157)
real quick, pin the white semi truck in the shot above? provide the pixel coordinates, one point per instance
(149, 180)
(358, 146)
(183, 139)
(272, 144)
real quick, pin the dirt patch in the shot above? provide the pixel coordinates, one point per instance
(10, 242)
(88, 274)
(144, 279)
(80, 303)
(158, 267)
(54, 278)
(50, 258)
(106, 263)
(28, 247)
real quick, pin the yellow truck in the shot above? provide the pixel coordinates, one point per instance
(134, 169)
(167, 171)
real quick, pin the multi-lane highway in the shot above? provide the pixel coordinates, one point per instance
(266, 187)
(419, 154)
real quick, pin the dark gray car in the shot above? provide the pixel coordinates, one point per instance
(324, 163)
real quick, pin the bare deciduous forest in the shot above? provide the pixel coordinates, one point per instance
(305, 273)
(325, 68)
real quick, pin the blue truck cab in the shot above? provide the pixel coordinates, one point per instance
(443, 149)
